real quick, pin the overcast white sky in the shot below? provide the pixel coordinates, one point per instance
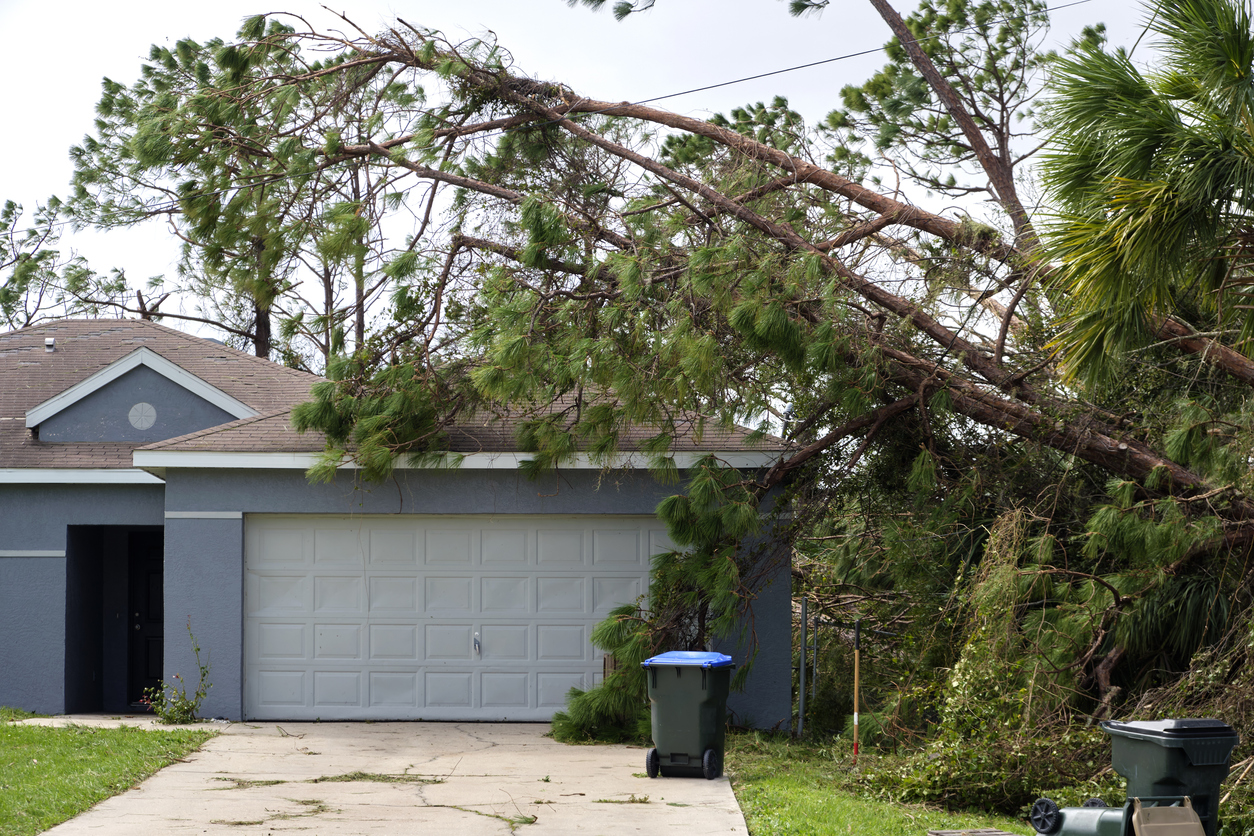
(56, 54)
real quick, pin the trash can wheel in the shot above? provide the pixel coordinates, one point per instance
(651, 763)
(711, 764)
(1045, 816)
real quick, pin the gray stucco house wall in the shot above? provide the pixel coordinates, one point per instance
(35, 558)
(205, 517)
(99, 510)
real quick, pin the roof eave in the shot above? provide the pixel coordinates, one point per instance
(159, 460)
(78, 476)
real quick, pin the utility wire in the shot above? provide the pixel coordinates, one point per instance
(839, 58)
(159, 209)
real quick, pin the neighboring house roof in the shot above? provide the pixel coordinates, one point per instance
(30, 377)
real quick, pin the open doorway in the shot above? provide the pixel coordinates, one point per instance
(114, 616)
(145, 599)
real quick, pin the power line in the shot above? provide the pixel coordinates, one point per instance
(172, 206)
(837, 58)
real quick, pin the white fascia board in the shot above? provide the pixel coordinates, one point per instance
(152, 459)
(142, 356)
(76, 476)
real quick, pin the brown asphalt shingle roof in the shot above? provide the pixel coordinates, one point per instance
(29, 376)
(273, 433)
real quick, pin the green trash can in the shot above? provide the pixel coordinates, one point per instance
(688, 702)
(1164, 759)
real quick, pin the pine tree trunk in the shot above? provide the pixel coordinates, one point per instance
(261, 331)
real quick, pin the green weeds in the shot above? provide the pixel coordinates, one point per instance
(170, 702)
(374, 777)
(797, 788)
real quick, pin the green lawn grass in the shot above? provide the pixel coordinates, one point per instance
(793, 788)
(49, 775)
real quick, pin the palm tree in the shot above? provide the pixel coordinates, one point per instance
(1152, 175)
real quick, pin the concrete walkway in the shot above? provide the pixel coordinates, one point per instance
(401, 778)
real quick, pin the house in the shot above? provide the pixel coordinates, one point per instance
(150, 480)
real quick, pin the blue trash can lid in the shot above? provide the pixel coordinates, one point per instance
(689, 659)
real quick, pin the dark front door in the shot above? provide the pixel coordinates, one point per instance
(146, 626)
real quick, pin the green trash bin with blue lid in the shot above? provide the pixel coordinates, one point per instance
(688, 702)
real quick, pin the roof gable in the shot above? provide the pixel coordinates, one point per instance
(33, 378)
(142, 356)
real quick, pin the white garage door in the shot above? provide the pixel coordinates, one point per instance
(439, 618)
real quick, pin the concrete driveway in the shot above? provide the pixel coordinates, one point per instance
(400, 778)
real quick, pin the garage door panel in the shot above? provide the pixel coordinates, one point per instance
(378, 617)
(392, 689)
(552, 687)
(283, 546)
(560, 547)
(505, 689)
(338, 547)
(277, 594)
(561, 642)
(448, 595)
(505, 642)
(504, 595)
(394, 643)
(609, 592)
(616, 548)
(337, 641)
(448, 641)
(504, 548)
(449, 689)
(337, 689)
(337, 593)
(394, 595)
(389, 547)
(280, 642)
(446, 547)
(281, 689)
(560, 594)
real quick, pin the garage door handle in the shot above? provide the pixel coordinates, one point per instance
(476, 644)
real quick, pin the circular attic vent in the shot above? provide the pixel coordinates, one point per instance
(142, 416)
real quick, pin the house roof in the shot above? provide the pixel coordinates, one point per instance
(273, 433)
(31, 376)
